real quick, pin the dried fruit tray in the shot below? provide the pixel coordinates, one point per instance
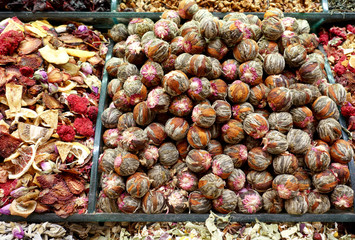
(93, 216)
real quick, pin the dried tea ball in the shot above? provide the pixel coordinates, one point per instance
(200, 65)
(280, 99)
(138, 185)
(200, 88)
(105, 204)
(119, 49)
(232, 132)
(251, 72)
(230, 70)
(260, 181)
(168, 154)
(254, 31)
(236, 16)
(172, 16)
(297, 205)
(295, 55)
(299, 141)
(226, 203)
(274, 81)
(238, 153)
(142, 114)
(149, 156)
(231, 33)
(329, 130)
(112, 66)
(238, 92)
(223, 111)
(288, 38)
(286, 186)
(157, 50)
(126, 70)
(281, 121)
(169, 64)
(165, 29)
(236, 180)
(109, 117)
(198, 203)
(258, 95)
(158, 100)
(176, 128)
(301, 94)
(118, 32)
(187, 8)
(318, 203)
(177, 201)
(190, 26)
(181, 105)
(303, 26)
(133, 38)
(274, 63)
(211, 186)
(135, 90)
(325, 181)
(253, 19)
(309, 41)
(342, 197)
(126, 164)
(125, 121)
(311, 72)
(128, 204)
(158, 175)
(177, 45)
(258, 159)
(222, 165)
(272, 203)
(272, 28)
(140, 26)
(114, 86)
(246, 50)
(285, 163)
(134, 53)
(255, 125)
(198, 137)
(182, 62)
(275, 142)
(337, 93)
(106, 160)
(267, 47)
(301, 116)
(152, 73)
(249, 201)
(217, 49)
(111, 137)
(133, 139)
(175, 83)
(198, 160)
(209, 28)
(112, 185)
(290, 24)
(153, 202)
(201, 14)
(203, 115)
(324, 107)
(214, 148)
(341, 171)
(241, 111)
(317, 159)
(342, 151)
(251, 142)
(273, 12)
(194, 43)
(219, 90)
(186, 180)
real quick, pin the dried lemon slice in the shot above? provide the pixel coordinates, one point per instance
(68, 85)
(80, 151)
(51, 55)
(50, 118)
(23, 162)
(352, 61)
(63, 149)
(13, 96)
(32, 134)
(24, 113)
(80, 53)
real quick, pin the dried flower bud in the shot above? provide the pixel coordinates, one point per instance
(232, 132)
(285, 163)
(325, 181)
(342, 197)
(199, 89)
(298, 141)
(198, 137)
(318, 203)
(286, 186)
(255, 125)
(138, 185)
(275, 142)
(198, 160)
(177, 201)
(249, 201)
(281, 121)
(134, 53)
(230, 70)
(159, 175)
(153, 202)
(112, 185)
(128, 204)
(165, 29)
(260, 181)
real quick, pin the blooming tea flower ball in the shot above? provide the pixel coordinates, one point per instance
(128, 204)
(337, 93)
(176, 128)
(255, 125)
(225, 203)
(232, 132)
(155, 133)
(142, 114)
(295, 55)
(111, 137)
(324, 107)
(118, 32)
(231, 32)
(126, 164)
(125, 121)
(281, 121)
(272, 28)
(198, 160)
(272, 203)
(249, 201)
(246, 50)
(275, 142)
(318, 203)
(302, 116)
(311, 72)
(135, 90)
(157, 50)
(285, 163)
(286, 186)
(138, 184)
(299, 141)
(153, 202)
(198, 137)
(258, 159)
(241, 111)
(149, 156)
(198, 203)
(194, 43)
(200, 88)
(219, 90)
(200, 65)
(236, 180)
(217, 49)
(182, 62)
(297, 205)
(165, 29)
(342, 197)
(317, 159)
(140, 26)
(238, 92)
(258, 95)
(203, 115)
(171, 15)
(214, 147)
(187, 8)
(274, 63)
(251, 72)
(126, 70)
(325, 181)
(187, 180)
(280, 99)
(152, 73)
(211, 186)
(238, 153)
(181, 105)
(134, 53)
(279, 80)
(175, 83)
(133, 139)
(209, 27)
(341, 151)
(222, 165)
(267, 47)
(329, 130)
(223, 111)
(109, 117)
(259, 180)
(168, 154)
(112, 184)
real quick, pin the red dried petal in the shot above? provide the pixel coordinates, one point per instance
(47, 199)
(8, 144)
(66, 209)
(47, 181)
(75, 185)
(8, 187)
(61, 191)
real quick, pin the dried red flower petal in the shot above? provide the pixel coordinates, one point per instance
(75, 185)
(8, 144)
(9, 41)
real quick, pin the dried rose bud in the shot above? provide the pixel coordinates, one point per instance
(260, 181)
(226, 203)
(211, 186)
(128, 204)
(198, 160)
(155, 133)
(133, 139)
(249, 201)
(324, 107)
(126, 164)
(112, 185)
(341, 151)
(285, 163)
(152, 74)
(297, 205)
(176, 128)
(138, 185)
(168, 154)
(318, 203)
(298, 141)
(198, 137)
(329, 130)
(342, 197)
(177, 201)
(153, 202)
(325, 181)
(317, 159)
(111, 137)
(275, 142)
(222, 165)
(198, 203)
(286, 186)
(255, 125)
(272, 203)
(159, 175)
(149, 156)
